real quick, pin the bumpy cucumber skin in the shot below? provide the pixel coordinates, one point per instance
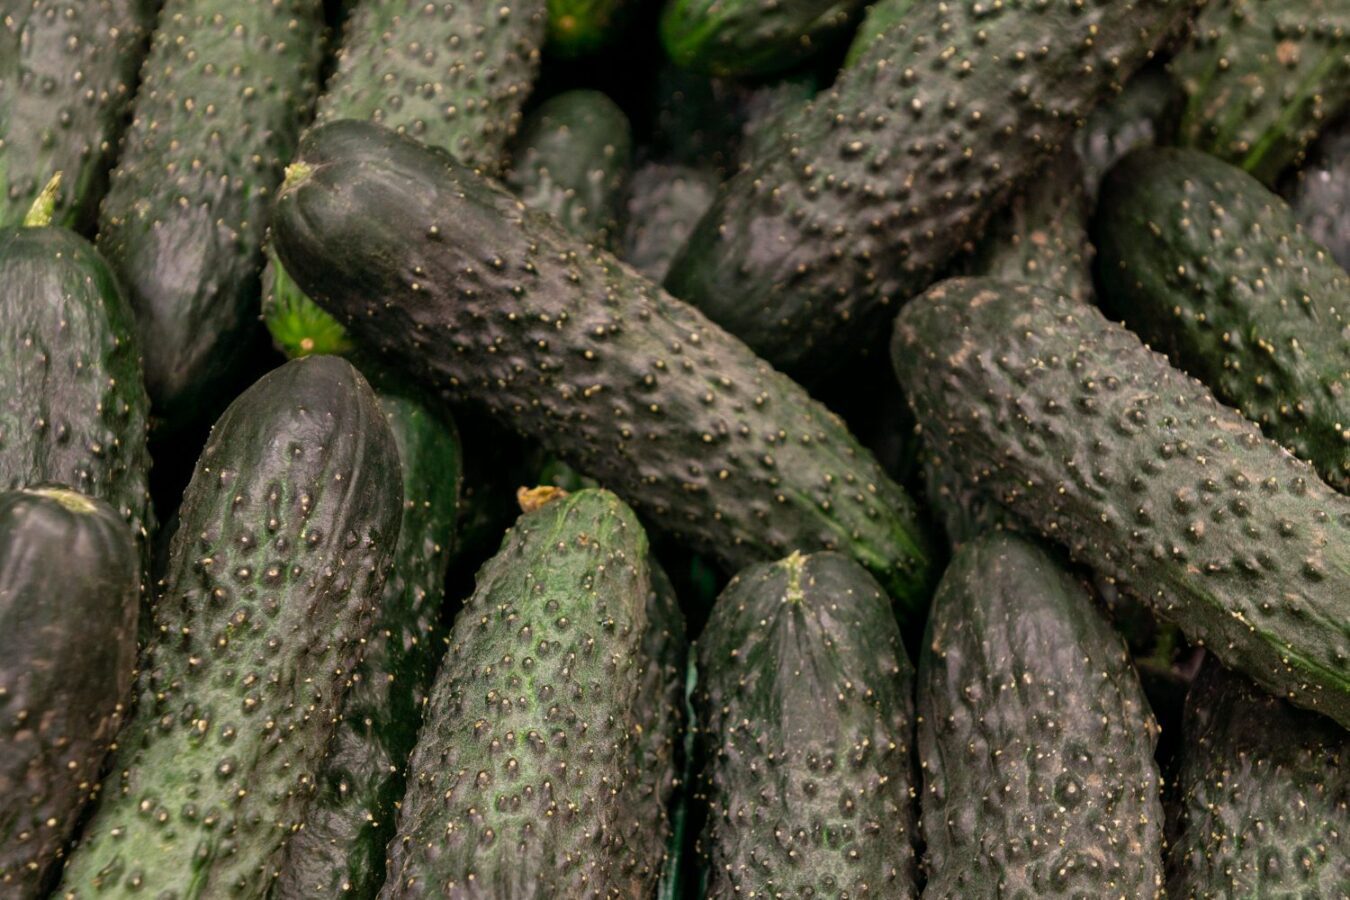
(1264, 793)
(577, 351)
(67, 75)
(1211, 268)
(73, 407)
(1026, 694)
(340, 851)
(665, 202)
(875, 185)
(520, 781)
(450, 73)
(578, 28)
(70, 577)
(750, 37)
(224, 93)
(1098, 443)
(286, 533)
(572, 162)
(805, 713)
(1261, 78)
(1321, 194)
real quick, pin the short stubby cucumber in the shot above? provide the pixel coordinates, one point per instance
(1211, 268)
(454, 283)
(1264, 796)
(1094, 441)
(1261, 78)
(748, 37)
(1025, 694)
(1320, 197)
(451, 73)
(67, 76)
(340, 850)
(70, 579)
(572, 162)
(285, 535)
(524, 771)
(225, 90)
(806, 717)
(873, 186)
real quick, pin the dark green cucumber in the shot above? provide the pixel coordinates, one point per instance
(1264, 793)
(572, 161)
(522, 778)
(764, 110)
(581, 27)
(665, 202)
(1321, 194)
(285, 535)
(1097, 443)
(1035, 740)
(1211, 268)
(805, 713)
(876, 184)
(1261, 77)
(1139, 116)
(340, 850)
(67, 75)
(577, 351)
(743, 37)
(225, 90)
(450, 73)
(73, 408)
(70, 578)
(879, 17)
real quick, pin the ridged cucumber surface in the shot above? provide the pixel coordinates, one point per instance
(1090, 439)
(70, 579)
(1035, 740)
(285, 536)
(575, 350)
(806, 720)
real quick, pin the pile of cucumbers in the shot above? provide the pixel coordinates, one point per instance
(597, 449)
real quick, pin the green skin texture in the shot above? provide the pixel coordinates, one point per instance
(577, 351)
(67, 75)
(70, 578)
(464, 94)
(340, 851)
(1211, 268)
(874, 186)
(1026, 695)
(805, 713)
(879, 17)
(1261, 78)
(74, 409)
(752, 37)
(572, 161)
(1094, 441)
(1321, 195)
(519, 783)
(1264, 792)
(286, 533)
(665, 202)
(224, 92)
(1139, 116)
(579, 28)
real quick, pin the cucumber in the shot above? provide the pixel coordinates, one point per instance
(522, 779)
(880, 16)
(224, 91)
(1264, 794)
(743, 38)
(1070, 422)
(598, 365)
(572, 161)
(805, 713)
(1320, 196)
(1210, 267)
(873, 187)
(1261, 77)
(286, 532)
(340, 850)
(67, 76)
(70, 577)
(74, 408)
(450, 73)
(1035, 740)
(665, 202)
